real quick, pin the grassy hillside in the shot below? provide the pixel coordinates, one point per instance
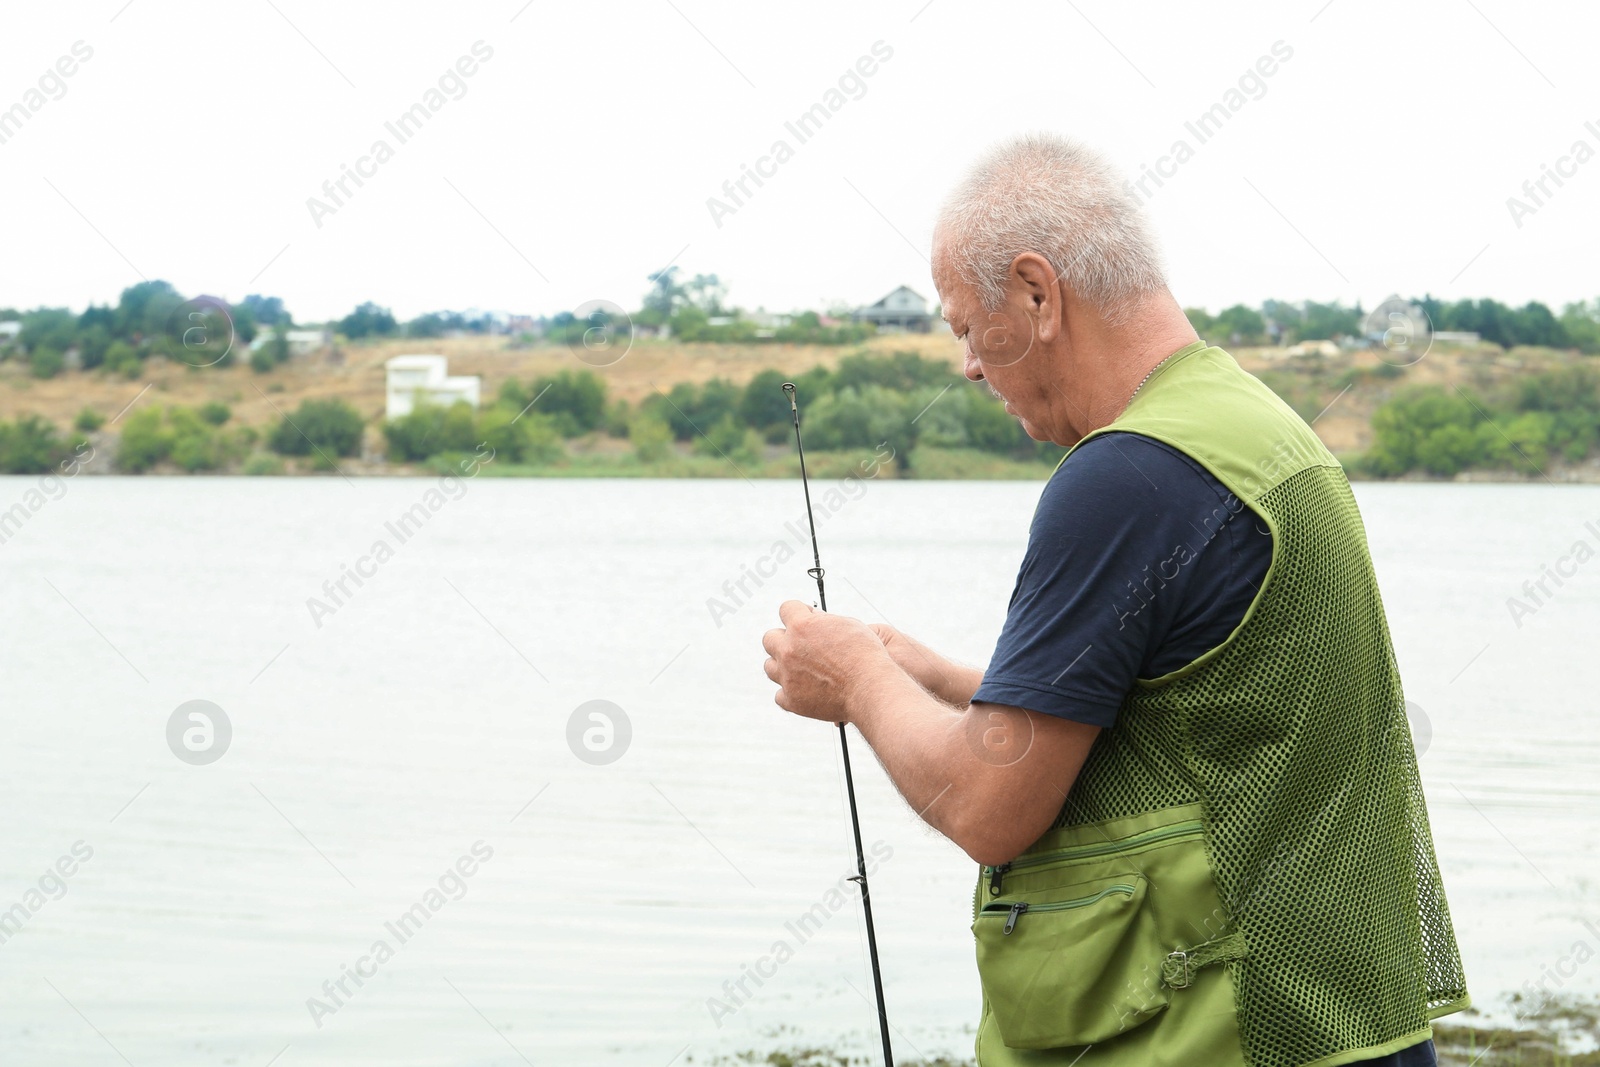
(1338, 392)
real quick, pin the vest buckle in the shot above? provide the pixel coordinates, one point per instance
(1176, 973)
(1177, 970)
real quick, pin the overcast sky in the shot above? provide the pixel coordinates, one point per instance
(1377, 157)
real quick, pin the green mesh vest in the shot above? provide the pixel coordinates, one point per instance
(1243, 872)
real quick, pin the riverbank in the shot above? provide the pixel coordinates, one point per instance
(1338, 391)
(1566, 1035)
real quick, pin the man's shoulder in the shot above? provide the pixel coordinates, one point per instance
(1130, 471)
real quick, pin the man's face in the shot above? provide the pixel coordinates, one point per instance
(1001, 348)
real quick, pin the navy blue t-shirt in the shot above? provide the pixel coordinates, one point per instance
(1139, 562)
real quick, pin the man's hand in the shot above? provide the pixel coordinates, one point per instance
(821, 662)
(991, 778)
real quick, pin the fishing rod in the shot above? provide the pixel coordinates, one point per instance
(860, 878)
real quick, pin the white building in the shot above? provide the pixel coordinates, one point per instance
(9, 331)
(301, 342)
(425, 378)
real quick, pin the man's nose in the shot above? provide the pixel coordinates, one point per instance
(971, 367)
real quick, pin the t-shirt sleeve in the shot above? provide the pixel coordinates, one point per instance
(1139, 561)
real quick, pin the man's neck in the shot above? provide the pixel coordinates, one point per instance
(1124, 356)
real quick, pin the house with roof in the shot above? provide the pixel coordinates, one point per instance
(903, 309)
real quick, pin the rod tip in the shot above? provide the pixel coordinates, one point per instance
(788, 387)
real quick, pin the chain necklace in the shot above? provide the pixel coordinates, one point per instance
(1147, 377)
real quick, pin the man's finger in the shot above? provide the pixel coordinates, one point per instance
(771, 667)
(770, 640)
(790, 610)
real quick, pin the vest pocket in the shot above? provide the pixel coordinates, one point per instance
(1070, 964)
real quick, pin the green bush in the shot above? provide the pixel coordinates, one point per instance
(617, 415)
(732, 440)
(1449, 449)
(30, 445)
(529, 439)
(575, 401)
(430, 429)
(263, 463)
(763, 403)
(691, 409)
(1552, 413)
(862, 418)
(93, 343)
(45, 362)
(122, 358)
(900, 371)
(146, 440)
(650, 436)
(179, 435)
(271, 353)
(326, 426)
(88, 421)
(215, 412)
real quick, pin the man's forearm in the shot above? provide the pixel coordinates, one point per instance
(990, 778)
(948, 681)
(911, 730)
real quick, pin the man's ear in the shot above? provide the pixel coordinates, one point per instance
(1035, 281)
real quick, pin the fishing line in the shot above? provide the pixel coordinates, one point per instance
(860, 878)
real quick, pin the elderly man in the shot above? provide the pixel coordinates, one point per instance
(1187, 772)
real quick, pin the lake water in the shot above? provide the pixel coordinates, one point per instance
(426, 713)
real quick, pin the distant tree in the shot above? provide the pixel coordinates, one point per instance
(98, 315)
(367, 320)
(1328, 322)
(1536, 324)
(1242, 325)
(245, 326)
(1581, 321)
(900, 371)
(690, 323)
(143, 309)
(764, 404)
(267, 310)
(93, 344)
(1201, 319)
(55, 328)
(692, 410)
(439, 323)
(706, 292)
(664, 297)
(991, 429)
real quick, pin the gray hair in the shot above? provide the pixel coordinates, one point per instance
(1061, 200)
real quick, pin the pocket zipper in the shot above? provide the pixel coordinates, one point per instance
(1161, 833)
(1015, 911)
